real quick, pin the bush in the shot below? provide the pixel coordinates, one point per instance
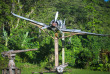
(83, 59)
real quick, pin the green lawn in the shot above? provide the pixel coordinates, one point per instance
(83, 71)
(27, 68)
(73, 71)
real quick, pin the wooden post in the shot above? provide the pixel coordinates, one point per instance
(63, 51)
(56, 50)
(10, 70)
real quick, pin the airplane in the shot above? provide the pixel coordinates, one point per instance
(58, 25)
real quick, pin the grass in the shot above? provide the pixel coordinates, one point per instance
(27, 68)
(83, 71)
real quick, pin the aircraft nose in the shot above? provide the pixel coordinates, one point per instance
(54, 24)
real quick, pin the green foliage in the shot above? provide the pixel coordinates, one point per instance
(83, 59)
(3, 61)
(80, 51)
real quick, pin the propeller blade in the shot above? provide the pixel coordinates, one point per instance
(56, 16)
(64, 21)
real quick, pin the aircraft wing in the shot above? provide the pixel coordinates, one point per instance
(79, 32)
(39, 24)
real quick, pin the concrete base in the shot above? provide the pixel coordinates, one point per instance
(14, 71)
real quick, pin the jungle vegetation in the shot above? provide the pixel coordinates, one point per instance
(87, 51)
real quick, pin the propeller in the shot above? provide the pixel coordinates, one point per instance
(56, 16)
(64, 27)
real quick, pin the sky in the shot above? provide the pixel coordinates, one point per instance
(106, 0)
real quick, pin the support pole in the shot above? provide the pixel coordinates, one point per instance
(10, 71)
(56, 50)
(63, 51)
